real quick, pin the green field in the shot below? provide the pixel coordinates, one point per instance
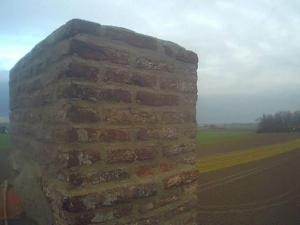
(228, 140)
(4, 142)
(210, 138)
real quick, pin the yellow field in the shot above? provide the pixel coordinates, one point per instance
(221, 161)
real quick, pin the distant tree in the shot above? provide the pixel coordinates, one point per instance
(279, 122)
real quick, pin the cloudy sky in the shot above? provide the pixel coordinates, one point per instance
(248, 50)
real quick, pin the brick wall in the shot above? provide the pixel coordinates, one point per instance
(109, 115)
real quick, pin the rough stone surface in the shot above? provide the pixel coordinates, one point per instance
(109, 116)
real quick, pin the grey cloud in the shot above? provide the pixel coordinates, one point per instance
(246, 48)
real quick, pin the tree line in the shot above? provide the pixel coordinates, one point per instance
(279, 122)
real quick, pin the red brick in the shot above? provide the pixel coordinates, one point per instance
(152, 99)
(114, 135)
(144, 134)
(120, 155)
(145, 153)
(146, 170)
(81, 115)
(98, 53)
(82, 71)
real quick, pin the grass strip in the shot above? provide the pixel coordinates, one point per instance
(221, 161)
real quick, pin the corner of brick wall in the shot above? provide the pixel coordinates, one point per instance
(109, 114)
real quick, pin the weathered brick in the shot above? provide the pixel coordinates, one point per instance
(65, 135)
(176, 149)
(162, 201)
(189, 99)
(104, 215)
(86, 135)
(145, 134)
(81, 115)
(106, 176)
(152, 220)
(145, 80)
(130, 78)
(187, 56)
(114, 135)
(168, 200)
(93, 94)
(122, 195)
(152, 99)
(168, 51)
(181, 179)
(188, 86)
(91, 135)
(148, 64)
(117, 75)
(79, 179)
(99, 53)
(190, 132)
(73, 204)
(178, 117)
(81, 71)
(129, 116)
(132, 38)
(184, 208)
(169, 84)
(145, 153)
(147, 170)
(80, 158)
(80, 92)
(115, 95)
(130, 155)
(120, 155)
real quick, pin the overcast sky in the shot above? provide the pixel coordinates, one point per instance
(248, 51)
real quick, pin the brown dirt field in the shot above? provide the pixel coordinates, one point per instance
(261, 193)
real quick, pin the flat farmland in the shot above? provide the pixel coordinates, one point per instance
(211, 141)
(248, 178)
